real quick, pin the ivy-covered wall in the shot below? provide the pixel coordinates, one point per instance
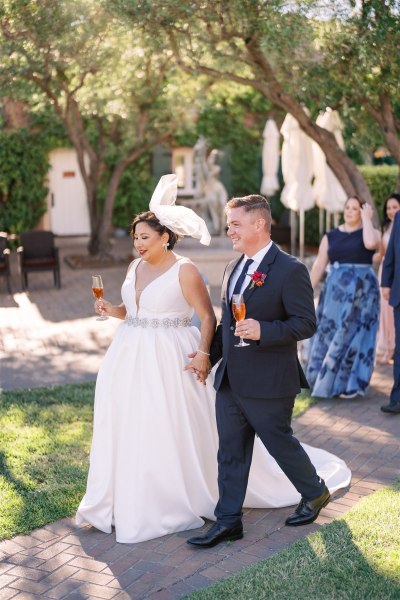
(233, 125)
(23, 168)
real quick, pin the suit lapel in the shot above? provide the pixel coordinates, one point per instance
(230, 269)
(264, 267)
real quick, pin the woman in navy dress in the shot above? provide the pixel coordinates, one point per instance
(342, 352)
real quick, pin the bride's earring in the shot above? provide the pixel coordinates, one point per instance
(165, 246)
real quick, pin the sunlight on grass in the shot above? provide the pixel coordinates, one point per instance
(45, 437)
(303, 402)
(356, 557)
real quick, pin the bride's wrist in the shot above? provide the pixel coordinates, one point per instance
(202, 352)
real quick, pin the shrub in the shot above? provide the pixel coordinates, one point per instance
(382, 181)
(24, 166)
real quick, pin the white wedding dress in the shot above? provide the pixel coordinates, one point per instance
(153, 461)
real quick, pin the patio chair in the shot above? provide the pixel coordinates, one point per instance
(38, 253)
(5, 259)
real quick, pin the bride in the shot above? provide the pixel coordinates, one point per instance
(153, 460)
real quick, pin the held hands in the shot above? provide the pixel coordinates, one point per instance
(200, 366)
(248, 329)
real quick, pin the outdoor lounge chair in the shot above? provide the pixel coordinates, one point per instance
(38, 253)
(5, 259)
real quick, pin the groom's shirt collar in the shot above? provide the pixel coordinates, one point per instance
(257, 258)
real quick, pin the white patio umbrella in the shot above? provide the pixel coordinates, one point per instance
(328, 193)
(297, 170)
(270, 159)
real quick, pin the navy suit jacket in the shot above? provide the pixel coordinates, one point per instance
(284, 306)
(391, 264)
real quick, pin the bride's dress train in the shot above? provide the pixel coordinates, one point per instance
(153, 467)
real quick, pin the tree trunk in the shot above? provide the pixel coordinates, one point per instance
(385, 117)
(103, 231)
(264, 81)
(343, 167)
(102, 238)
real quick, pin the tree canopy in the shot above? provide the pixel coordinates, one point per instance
(123, 76)
(116, 95)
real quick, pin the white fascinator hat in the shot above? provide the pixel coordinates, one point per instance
(179, 219)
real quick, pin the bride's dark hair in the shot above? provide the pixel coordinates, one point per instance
(151, 220)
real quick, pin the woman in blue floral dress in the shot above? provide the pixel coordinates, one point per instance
(342, 352)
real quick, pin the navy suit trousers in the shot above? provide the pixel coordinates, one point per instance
(395, 393)
(238, 419)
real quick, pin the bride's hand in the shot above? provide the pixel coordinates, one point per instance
(103, 307)
(200, 366)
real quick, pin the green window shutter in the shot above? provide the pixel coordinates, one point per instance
(161, 161)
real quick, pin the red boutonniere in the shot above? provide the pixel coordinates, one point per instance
(257, 279)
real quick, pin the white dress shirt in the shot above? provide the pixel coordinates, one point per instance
(257, 258)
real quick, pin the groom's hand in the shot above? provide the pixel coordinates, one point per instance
(200, 366)
(250, 329)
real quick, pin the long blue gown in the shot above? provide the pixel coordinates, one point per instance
(342, 352)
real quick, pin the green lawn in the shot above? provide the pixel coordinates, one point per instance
(356, 557)
(45, 436)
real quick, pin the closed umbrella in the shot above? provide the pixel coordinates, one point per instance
(270, 159)
(328, 193)
(297, 171)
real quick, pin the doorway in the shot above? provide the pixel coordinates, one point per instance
(69, 213)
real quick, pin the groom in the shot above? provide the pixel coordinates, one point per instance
(256, 385)
(391, 291)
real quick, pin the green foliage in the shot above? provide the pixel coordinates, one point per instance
(44, 120)
(311, 227)
(23, 169)
(233, 122)
(382, 181)
(134, 192)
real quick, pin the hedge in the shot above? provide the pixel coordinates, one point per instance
(24, 165)
(381, 180)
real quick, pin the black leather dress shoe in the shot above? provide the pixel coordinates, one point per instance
(308, 510)
(217, 534)
(393, 409)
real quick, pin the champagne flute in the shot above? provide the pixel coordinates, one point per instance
(239, 312)
(98, 289)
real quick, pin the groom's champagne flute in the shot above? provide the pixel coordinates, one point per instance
(239, 312)
(98, 289)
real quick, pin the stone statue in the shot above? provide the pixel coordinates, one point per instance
(208, 187)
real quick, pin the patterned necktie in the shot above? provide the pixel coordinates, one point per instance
(239, 283)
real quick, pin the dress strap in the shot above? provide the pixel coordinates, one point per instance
(184, 260)
(134, 264)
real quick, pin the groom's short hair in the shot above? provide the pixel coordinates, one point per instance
(253, 202)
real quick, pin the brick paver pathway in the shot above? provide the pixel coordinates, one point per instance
(50, 336)
(64, 561)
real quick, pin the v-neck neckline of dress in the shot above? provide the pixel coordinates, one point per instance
(137, 300)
